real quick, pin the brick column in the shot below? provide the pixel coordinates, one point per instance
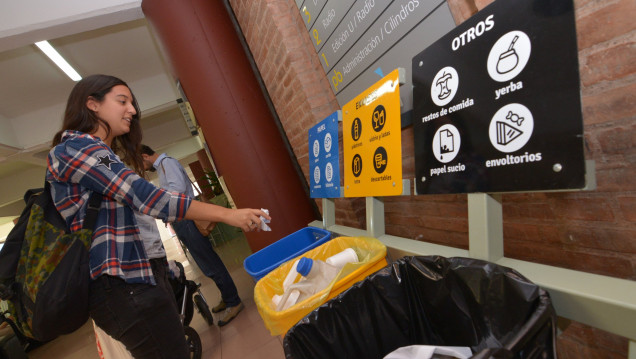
(205, 51)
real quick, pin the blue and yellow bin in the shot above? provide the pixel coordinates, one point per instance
(372, 257)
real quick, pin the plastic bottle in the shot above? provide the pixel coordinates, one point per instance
(340, 259)
(318, 275)
(293, 295)
(291, 276)
(286, 300)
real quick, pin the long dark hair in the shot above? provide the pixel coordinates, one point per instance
(78, 117)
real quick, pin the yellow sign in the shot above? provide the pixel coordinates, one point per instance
(372, 140)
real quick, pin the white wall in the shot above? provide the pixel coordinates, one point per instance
(7, 135)
(154, 91)
(39, 126)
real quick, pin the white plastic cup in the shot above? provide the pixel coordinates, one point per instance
(342, 258)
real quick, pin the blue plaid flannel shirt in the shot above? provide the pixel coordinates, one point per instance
(82, 163)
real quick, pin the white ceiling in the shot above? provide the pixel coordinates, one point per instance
(33, 92)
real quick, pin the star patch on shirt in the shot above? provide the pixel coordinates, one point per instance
(105, 160)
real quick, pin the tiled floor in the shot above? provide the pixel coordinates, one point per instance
(244, 338)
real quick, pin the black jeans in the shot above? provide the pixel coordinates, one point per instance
(143, 317)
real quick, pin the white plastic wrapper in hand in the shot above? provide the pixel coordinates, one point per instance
(264, 221)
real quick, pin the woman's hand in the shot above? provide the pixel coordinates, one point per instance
(248, 219)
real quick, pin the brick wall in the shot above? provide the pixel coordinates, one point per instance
(588, 231)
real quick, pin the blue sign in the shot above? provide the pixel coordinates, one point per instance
(324, 158)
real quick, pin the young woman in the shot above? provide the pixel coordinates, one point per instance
(101, 123)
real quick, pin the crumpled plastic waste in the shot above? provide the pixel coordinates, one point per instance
(264, 221)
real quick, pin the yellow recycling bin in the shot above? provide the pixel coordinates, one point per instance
(371, 253)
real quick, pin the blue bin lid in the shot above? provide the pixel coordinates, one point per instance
(269, 258)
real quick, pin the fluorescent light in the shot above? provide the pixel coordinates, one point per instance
(59, 60)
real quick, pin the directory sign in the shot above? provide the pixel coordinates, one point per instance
(357, 41)
(372, 140)
(497, 103)
(324, 158)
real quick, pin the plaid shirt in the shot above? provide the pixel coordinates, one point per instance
(82, 163)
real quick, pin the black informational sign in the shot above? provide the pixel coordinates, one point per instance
(497, 103)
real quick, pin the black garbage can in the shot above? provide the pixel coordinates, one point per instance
(431, 300)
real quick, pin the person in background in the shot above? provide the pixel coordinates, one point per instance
(173, 177)
(100, 132)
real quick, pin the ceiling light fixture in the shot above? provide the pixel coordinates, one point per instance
(58, 59)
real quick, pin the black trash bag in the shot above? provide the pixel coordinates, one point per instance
(431, 300)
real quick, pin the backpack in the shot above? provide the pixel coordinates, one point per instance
(44, 272)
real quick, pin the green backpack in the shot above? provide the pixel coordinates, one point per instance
(44, 272)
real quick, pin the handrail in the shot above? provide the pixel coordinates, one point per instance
(599, 301)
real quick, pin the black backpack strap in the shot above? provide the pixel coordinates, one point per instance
(33, 191)
(94, 202)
